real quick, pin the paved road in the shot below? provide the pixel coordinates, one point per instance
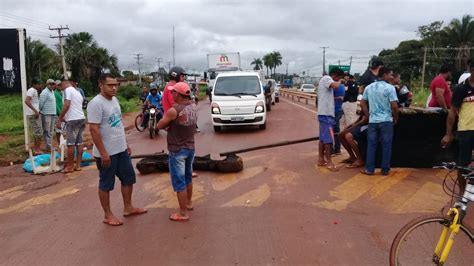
(282, 209)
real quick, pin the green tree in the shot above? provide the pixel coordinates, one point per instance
(258, 64)
(460, 34)
(275, 60)
(41, 61)
(267, 62)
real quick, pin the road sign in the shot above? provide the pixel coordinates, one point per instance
(345, 68)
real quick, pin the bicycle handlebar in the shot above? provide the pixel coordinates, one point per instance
(451, 166)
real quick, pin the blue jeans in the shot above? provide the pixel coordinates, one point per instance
(181, 169)
(337, 129)
(383, 132)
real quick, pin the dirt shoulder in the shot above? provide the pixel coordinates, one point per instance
(14, 175)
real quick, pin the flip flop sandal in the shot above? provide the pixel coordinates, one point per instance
(190, 208)
(332, 168)
(354, 165)
(365, 172)
(322, 164)
(348, 161)
(135, 212)
(178, 218)
(107, 222)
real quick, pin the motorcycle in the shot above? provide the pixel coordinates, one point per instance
(153, 121)
(404, 96)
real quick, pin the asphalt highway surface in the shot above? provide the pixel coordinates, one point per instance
(282, 209)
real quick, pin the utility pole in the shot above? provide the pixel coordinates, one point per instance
(423, 71)
(60, 36)
(350, 65)
(169, 65)
(324, 59)
(138, 57)
(286, 69)
(174, 61)
(158, 60)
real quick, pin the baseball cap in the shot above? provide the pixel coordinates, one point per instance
(57, 82)
(181, 88)
(49, 81)
(463, 77)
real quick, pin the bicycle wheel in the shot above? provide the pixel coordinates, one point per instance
(138, 122)
(415, 243)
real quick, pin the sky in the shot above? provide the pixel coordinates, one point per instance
(295, 28)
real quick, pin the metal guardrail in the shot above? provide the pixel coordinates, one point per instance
(298, 95)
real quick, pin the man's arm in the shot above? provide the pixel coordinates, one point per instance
(166, 120)
(440, 98)
(365, 108)
(66, 105)
(28, 103)
(394, 106)
(449, 136)
(335, 85)
(99, 144)
(42, 100)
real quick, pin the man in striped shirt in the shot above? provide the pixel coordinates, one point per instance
(47, 108)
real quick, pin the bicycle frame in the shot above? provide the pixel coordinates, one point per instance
(457, 213)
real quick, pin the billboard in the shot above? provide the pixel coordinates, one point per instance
(223, 61)
(10, 70)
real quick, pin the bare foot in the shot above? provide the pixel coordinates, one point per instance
(349, 160)
(134, 211)
(331, 167)
(177, 217)
(195, 174)
(112, 220)
(68, 170)
(322, 163)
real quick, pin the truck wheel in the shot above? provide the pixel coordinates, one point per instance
(269, 107)
(217, 129)
(277, 99)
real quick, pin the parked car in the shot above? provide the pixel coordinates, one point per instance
(277, 92)
(307, 88)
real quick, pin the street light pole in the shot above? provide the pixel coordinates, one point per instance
(324, 59)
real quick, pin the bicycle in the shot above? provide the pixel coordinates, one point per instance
(428, 240)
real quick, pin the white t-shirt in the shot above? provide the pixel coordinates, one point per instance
(33, 93)
(75, 108)
(108, 115)
(325, 97)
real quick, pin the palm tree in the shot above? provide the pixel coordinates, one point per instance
(258, 63)
(460, 34)
(79, 50)
(276, 60)
(41, 61)
(267, 61)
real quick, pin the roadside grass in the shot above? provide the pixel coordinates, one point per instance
(11, 127)
(11, 113)
(420, 96)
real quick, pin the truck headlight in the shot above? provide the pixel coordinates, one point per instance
(215, 109)
(259, 107)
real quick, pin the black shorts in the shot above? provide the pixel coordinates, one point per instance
(120, 166)
(466, 145)
(359, 132)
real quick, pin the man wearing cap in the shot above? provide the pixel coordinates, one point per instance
(176, 74)
(111, 151)
(153, 99)
(181, 122)
(59, 106)
(33, 115)
(47, 106)
(370, 75)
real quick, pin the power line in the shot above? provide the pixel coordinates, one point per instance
(5, 14)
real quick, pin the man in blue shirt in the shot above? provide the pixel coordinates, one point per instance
(338, 100)
(153, 99)
(379, 103)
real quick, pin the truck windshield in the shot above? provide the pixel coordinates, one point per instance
(237, 86)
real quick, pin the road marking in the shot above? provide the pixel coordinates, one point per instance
(387, 183)
(161, 188)
(45, 199)
(307, 109)
(225, 181)
(353, 189)
(253, 198)
(429, 198)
